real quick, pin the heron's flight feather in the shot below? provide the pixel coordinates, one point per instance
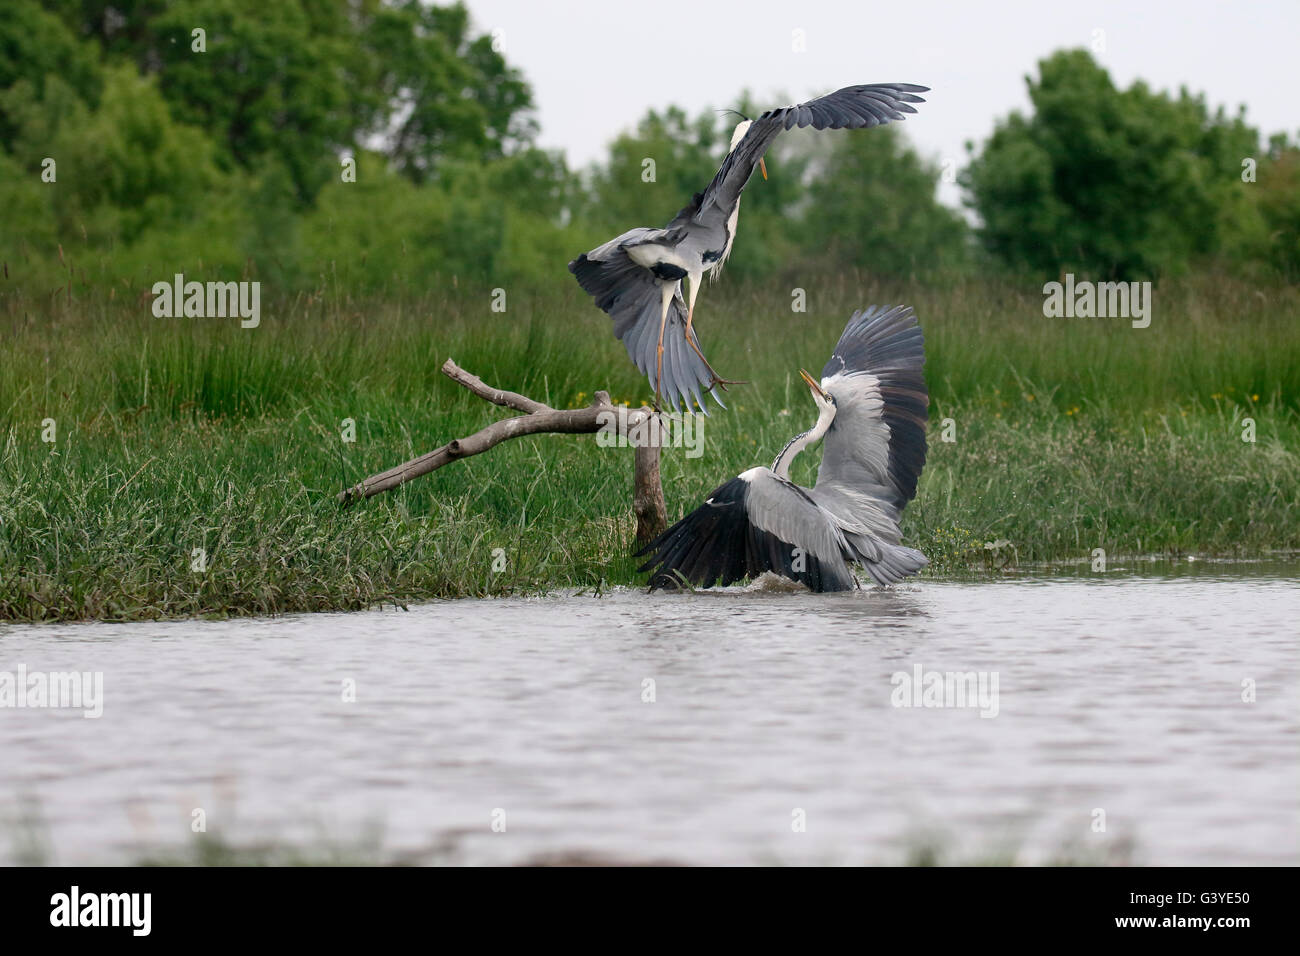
(876, 376)
(854, 107)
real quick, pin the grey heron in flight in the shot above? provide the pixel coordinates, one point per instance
(637, 277)
(872, 408)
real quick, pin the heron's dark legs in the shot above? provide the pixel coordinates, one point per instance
(716, 379)
(659, 367)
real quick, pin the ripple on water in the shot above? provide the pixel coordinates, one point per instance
(1121, 693)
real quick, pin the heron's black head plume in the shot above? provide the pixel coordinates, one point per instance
(734, 112)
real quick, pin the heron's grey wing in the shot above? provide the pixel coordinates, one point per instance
(874, 451)
(876, 442)
(753, 523)
(631, 296)
(854, 107)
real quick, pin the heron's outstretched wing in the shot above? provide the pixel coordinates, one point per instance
(753, 523)
(875, 448)
(632, 297)
(854, 107)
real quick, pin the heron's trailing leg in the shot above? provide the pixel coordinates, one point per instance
(715, 378)
(667, 291)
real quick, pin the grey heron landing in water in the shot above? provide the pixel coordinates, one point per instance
(872, 407)
(637, 277)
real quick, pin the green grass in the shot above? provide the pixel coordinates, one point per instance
(29, 844)
(177, 434)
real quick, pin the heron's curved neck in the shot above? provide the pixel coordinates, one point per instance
(799, 442)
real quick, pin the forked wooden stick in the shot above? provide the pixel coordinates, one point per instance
(640, 426)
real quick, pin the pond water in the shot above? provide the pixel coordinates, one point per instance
(736, 726)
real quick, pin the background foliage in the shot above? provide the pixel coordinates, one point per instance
(227, 162)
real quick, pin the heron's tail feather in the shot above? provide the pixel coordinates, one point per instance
(886, 563)
(634, 300)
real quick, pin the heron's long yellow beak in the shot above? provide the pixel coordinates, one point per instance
(812, 383)
(762, 167)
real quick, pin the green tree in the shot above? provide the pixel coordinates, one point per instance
(296, 83)
(1118, 183)
(1265, 232)
(270, 86)
(36, 45)
(873, 206)
(122, 168)
(434, 91)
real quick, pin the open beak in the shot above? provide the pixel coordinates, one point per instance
(813, 383)
(762, 167)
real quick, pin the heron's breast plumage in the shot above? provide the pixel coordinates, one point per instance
(664, 260)
(730, 238)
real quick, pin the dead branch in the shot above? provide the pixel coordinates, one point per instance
(640, 427)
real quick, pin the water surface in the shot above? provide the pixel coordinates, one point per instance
(1119, 693)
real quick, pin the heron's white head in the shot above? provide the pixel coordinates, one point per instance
(737, 135)
(825, 416)
(825, 401)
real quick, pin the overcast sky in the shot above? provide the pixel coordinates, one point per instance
(596, 67)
